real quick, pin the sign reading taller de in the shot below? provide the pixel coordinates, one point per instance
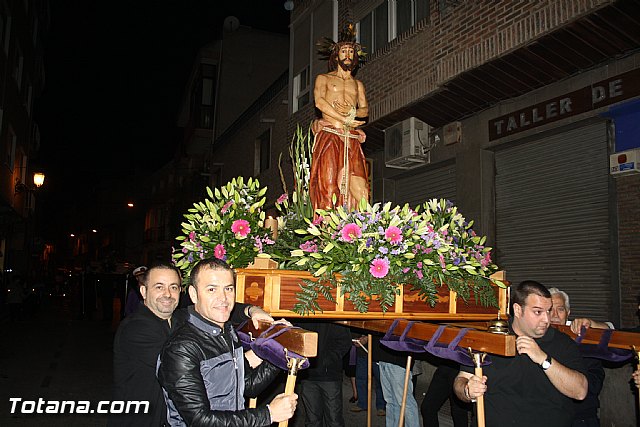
(596, 95)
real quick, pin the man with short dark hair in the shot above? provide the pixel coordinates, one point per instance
(536, 387)
(202, 367)
(140, 338)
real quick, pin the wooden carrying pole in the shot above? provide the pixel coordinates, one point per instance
(404, 391)
(369, 374)
(478, 358)
(300, 341)
(503, 345)
(293, 364)
(637, 351)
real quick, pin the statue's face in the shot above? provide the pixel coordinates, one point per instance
(345, 57)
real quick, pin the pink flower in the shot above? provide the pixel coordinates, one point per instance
(309, 246)
(219, 251)
(486, 261)
(226, 206)
(442, 264)
(379, 267)
(318, 220)
(240, 227)
(351, 231)
(393, 234)
(192, 236)
(282, 198)
(419, 274)
(258, 244)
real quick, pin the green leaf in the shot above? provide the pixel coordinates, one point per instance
(320, 271)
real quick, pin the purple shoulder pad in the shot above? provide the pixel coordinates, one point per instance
(402, 343)
(267, 348)
(601, 350)
(452, 351)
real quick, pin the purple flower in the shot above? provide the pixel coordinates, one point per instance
(486, 261)
(383, 250)
(226, 206)
(309, 246)
(258, 244)
(379, 267)
(268, 241)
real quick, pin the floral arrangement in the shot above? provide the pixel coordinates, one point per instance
(295, 210)
(229, 225)
(371, 252)
(378, 248)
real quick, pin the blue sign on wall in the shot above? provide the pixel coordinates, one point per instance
(627, 124)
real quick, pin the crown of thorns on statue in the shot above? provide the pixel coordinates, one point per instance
(328, 47)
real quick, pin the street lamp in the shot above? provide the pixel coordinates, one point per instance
(38, 180)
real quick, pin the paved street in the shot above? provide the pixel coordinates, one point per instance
(55, 356)
(50, 356)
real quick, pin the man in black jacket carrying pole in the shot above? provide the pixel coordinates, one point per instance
(202, 367)
(140, 338)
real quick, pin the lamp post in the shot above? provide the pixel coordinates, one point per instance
(38, 180)
(20, 187)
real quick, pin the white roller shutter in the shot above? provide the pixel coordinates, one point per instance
(552, 216)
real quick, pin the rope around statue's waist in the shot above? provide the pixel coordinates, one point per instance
(340, 132)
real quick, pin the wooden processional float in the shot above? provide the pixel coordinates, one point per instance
(275, 290)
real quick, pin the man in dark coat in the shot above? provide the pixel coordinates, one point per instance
(140, 338)
(322, 381)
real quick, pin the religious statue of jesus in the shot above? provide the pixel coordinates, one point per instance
(338, 165)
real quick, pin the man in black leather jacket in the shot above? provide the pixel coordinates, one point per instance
(140, 338)
(202, 368)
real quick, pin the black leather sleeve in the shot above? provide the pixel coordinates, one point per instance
(180, 376)
(237, 314)
(256, 380)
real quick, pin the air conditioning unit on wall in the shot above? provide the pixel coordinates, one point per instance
(406, 144)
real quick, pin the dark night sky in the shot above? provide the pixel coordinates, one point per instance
(115, 75)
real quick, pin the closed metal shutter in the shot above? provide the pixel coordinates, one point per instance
(438, 183)
(552, 216)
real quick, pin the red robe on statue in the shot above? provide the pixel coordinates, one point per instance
(329, 162)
